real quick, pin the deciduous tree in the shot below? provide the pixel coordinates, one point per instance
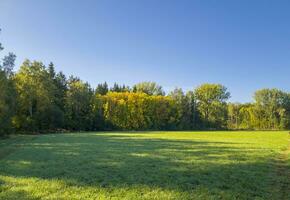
(211, 103)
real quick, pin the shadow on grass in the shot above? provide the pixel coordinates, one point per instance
(109, 161)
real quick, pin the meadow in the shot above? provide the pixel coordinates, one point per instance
(146, 165)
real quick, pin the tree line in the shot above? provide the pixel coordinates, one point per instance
(37, 99)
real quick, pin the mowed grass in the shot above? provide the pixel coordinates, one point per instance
(146, 165)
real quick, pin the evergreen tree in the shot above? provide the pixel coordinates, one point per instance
(102, 89)
(7, 93)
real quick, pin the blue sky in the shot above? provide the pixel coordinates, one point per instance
(243, 44)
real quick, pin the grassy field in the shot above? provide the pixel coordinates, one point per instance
(146, 165)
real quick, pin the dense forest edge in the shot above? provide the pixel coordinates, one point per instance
(37, 99)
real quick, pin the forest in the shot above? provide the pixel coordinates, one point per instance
(37, 99)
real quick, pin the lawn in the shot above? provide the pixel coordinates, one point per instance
(146, 165)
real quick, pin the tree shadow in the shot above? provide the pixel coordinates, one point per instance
(114, 160)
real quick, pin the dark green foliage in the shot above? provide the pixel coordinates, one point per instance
(78, 105)
(120, 88)
(102, 88)
(8, 64)
(7, 103)
(7, 93)
(186, 112)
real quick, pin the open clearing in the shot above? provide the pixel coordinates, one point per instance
(146, 165)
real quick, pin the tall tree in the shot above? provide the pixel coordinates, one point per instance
(185, 109)
(7, 103)
(271, 105)
(119, 88)
(150, 88)
(36, 97)
(8, 64)
(102, 89)
(211, 103)
(192, 111)
(79, 105)
(234, 115)
(7, 93)
(56, 111)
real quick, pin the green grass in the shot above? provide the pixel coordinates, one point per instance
(146, 165)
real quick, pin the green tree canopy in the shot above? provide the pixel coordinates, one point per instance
(36, 96)
(150, 88)
(7, 93)
(211, 103)
(272, 106)
(78, 105)
(102, 89)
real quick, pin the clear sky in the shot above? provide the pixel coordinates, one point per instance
(243, 44)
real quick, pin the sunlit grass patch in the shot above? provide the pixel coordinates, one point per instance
(143, 165)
